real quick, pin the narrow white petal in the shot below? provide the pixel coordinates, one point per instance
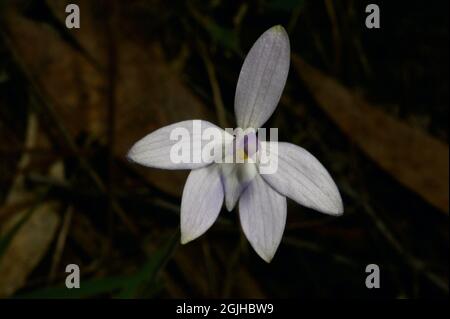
(154, 150)
(262, 78)
(201, 202)
(236, 177)
(301, 177)
(262, 212)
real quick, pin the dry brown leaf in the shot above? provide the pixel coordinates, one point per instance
(17, 192)
(149, 93)
(414, 158)
(28, 246)
(31, 242)
(63, 76)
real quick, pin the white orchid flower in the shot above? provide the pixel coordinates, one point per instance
(262, 197)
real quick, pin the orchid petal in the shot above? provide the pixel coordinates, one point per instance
(301, 177)
(201, 202)
(262, 78)
(262, 212)
(235, 178)
(154, 150)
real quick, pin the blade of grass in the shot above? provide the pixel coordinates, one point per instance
(143, 282)
(87, 289)
(8, 237)
(225, 37)
(145, 279)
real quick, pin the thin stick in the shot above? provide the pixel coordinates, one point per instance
(49, 111)
(60, 242)
(217, 96)
(111, 106)
(414, 262)
(335, 31)
(313, 247)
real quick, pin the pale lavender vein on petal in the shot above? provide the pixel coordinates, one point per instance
(301, 177)
(201, 202)
(154, 149)
(262, 212)
(262, 78)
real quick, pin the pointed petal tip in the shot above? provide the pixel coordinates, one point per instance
(229, 206)
(279, 28)
(231, 202)
(281, 32)
(335, 213)
(129, 156)
(267, 256)
(339, 210)
(267, 259)
(184, 240)
(132, 156)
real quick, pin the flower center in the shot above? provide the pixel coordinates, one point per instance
(245, 146)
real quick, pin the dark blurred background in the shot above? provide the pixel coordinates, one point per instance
(370, 104)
